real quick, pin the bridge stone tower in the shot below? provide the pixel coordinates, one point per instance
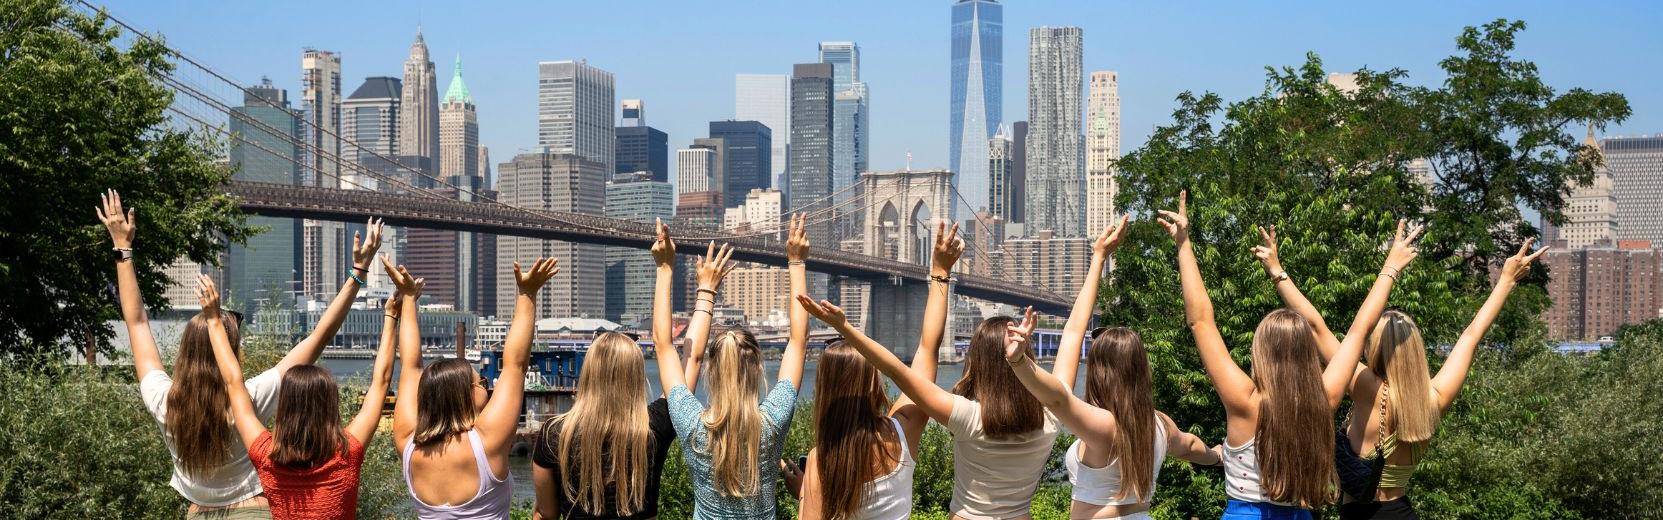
(901, 211)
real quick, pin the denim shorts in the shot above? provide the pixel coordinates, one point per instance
(1241, 510)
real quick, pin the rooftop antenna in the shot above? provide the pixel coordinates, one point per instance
(909, 160)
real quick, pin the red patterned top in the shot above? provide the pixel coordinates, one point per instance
(328, 491)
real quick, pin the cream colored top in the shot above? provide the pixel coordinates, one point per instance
(995, 478)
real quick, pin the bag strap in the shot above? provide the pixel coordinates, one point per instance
(1380, 437)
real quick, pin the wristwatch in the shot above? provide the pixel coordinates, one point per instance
(1278, 277)
(122, 253)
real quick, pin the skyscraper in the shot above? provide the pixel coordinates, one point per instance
(1590, 211)
(849, 115)
(747, 149)
(1056, 177)
(419, 106)
(635, 113)
(458, 130)
(643, 149)
(695, 170)
(719, 165)
(1019, 172)
(999, 158)
(1636, 165)
(574, 111)
(811, 143)
(555, 182)
(629, 272)
(766, 98)
(266, 268)
(370, 126)
(455, 261)
(323, 260)
(1102, 149)
(977, 98)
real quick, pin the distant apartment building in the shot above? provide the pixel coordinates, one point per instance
(1598, 288)
(1044, 261)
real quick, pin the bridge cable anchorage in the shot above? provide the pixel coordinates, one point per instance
(613, 227)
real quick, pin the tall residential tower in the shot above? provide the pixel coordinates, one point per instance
(1056, 178)
(1102, 149)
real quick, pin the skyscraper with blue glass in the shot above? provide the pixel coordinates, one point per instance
(977, 101)
(849, 115)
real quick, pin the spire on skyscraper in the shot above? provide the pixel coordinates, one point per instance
(458, 90)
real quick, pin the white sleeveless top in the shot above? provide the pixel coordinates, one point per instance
(889, 497)
(1100, 485)
(1241, 473)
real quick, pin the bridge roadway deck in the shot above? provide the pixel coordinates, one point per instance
(283, 200)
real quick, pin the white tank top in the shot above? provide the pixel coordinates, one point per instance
(1100, 485)
(889, 497)
(1241, 473)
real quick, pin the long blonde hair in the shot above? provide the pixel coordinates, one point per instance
(734, 420)
(850, 427)
(198, 408)
(1397, 356)
(605, 439)
(1118, 380)
(1294, 435)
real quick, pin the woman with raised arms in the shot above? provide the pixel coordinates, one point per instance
(731, 447)
(1279, 447)
(1122, 439)
(211, 469)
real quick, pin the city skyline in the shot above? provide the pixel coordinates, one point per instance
(909, 67)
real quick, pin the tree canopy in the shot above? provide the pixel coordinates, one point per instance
(79, 115)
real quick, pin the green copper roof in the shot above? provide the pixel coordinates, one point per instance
(458, 90)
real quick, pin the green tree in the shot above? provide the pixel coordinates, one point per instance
(79, 115)
(1334, 170)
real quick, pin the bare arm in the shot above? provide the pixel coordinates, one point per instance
(363, 425)
(1337, 378)
(1454, 372)
(501, 415)
(948, 248)
(146, 358)
(664, 345)
(1293, 298)
(247, 422)
(547, 507)
(1234, 386)
(810, 504)
(796, 345)
(409, 360)
(937, 403)
(1091, 423)
(307, 351)
(1186, 445)
(1067, 364)
(711, 269)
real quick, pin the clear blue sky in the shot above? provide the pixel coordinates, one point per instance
(680, 57)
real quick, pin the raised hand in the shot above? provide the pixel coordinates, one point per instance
(1177, 223)
(823, 310)
(1017, 336)
(407, 284)
(120, 225)
(1403, 247)
(715, 266)
(796, 243)
(1519, 264)
(532, 281)
(363, 249)
(392, 307)
(208, 296)
(1266, 253)
(948, 248)
(1110, 238)
(664, 248)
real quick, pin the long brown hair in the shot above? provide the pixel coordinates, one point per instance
(734, 419)
(1118, 380)
(198, 409)
(850, 428)
(1295, 443)
(605, 438)
(1397, 356)
(1007, 407)
(307, 430)
(444, 402)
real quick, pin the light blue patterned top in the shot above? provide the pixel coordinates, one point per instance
(708, 503)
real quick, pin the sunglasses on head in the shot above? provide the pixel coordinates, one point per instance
(633, 336)
(833, 340)
(1096, 332)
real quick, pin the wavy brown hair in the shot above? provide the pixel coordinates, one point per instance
(1007, 407)
(307, 430)
(850, 429)
(734, 419)
(605, 439)
(1294, 435)
(444, 402)
(198, 409)
(1118, 380)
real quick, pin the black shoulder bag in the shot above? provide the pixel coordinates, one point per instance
(1360, 477)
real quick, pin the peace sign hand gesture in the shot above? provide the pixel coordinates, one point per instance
(1017, 336)
(948, 248)
(664, 247)
(1267, 252)
(1403, 248)
(363, 248)
(796, 243)
(1177, 223)
(1519, 264)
